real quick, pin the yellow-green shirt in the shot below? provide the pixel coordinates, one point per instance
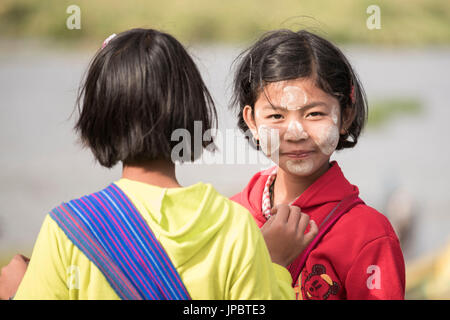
(213, 242)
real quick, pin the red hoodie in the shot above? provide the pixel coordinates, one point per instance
(358, 258)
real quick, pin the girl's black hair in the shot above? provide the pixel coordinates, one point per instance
(286, 55)
(139, 88)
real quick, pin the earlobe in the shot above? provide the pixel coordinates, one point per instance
(247, 114)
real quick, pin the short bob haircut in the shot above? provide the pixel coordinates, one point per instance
(139, 88)
(286, 55)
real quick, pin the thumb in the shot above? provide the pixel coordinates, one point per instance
(274, 209)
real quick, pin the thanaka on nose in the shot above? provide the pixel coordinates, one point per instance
(295, 131)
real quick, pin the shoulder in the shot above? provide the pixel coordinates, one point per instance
(64, 223)
(366, 224)
(51, 230)
(360, 238)
(238, 223)
(236, 235)
(239, 215)
(53, 239)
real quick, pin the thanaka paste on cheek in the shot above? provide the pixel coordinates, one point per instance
(334, 114)
(269, 139)
(329, 140)
(327, 134)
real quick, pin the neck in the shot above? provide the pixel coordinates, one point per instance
(289, 187)
(160, 173)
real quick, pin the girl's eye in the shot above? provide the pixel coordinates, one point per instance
(275, 116)
(315, 114)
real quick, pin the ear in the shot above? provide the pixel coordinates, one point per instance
(348, 115)
(249, 118)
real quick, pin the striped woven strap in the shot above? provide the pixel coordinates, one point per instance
(109, 230)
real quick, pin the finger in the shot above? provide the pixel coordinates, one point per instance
(282, 213)
(303, 222)
(312, 233)
(273, 211)
(294, 216)
(267, 223)
(18, 259)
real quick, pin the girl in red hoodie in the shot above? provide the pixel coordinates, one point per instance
(299, 100)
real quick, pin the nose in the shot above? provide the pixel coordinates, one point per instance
(295, 131)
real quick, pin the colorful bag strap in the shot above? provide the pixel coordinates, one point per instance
(109, 230)
(338, 211)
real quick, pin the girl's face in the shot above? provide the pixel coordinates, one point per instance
(297, 125)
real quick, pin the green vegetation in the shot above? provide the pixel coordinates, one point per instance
(403, 22)
(382, 111)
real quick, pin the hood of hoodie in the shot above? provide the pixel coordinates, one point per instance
(182, 219)
(317, 200)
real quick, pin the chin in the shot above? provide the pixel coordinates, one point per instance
(300, 168)
(303, 167)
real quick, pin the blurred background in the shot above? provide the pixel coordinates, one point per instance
(400, 49)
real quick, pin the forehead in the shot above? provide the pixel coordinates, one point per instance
(303, 85)
(300, 92)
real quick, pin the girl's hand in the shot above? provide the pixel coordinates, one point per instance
(284, 233)
(11, 276)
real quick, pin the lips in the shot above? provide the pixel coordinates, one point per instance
(298, 154)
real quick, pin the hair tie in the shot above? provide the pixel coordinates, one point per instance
(107, 40)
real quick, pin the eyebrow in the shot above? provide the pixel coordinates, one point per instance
(306, 106)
